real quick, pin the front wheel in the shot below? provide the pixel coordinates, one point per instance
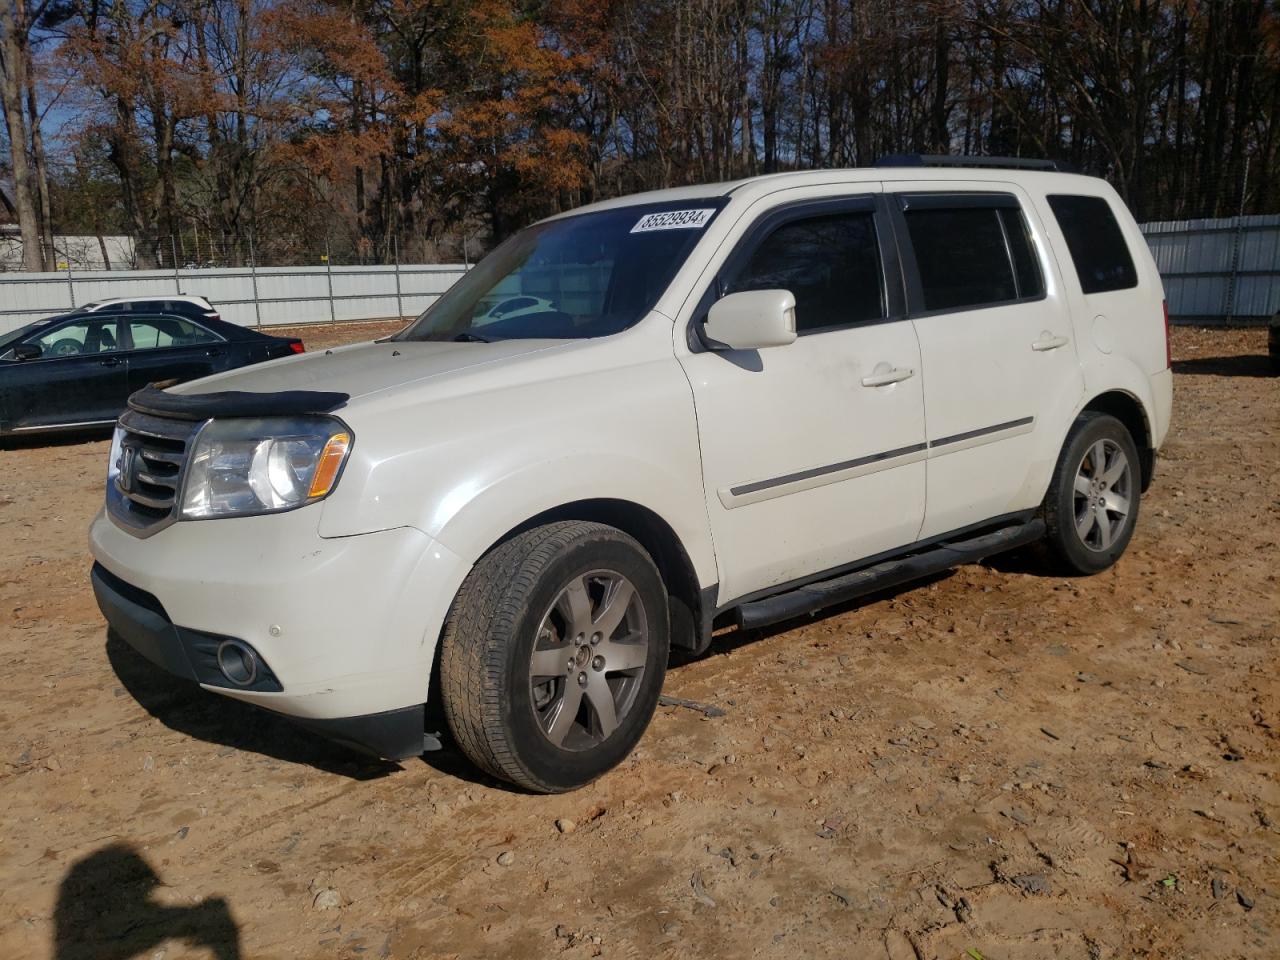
(1092, 503)
(554, 653)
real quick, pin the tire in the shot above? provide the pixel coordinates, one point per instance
(542, 626)
(1079, 499)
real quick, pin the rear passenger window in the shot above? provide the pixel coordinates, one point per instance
(1097, 246)
(831, 264)
(973, 255)
(151, 333)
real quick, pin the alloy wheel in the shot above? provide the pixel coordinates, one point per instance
(588, 660)
(1103, 491)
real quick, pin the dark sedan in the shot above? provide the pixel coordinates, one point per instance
(78, 369)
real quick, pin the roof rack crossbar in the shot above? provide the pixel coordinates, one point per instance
(945, 160)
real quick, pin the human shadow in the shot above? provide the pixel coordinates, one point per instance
(183, 706)
(106, 911)
(1248, 365)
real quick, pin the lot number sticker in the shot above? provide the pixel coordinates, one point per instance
(673, 220)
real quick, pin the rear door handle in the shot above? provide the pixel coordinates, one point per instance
(1048, 342)
(109, 362)
(885, 377)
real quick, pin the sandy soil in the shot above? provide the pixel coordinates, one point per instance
(1000, 762)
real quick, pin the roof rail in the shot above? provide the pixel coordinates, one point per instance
(945, 160)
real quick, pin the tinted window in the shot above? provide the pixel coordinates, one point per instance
(1097, 246)
(150, 333)
(830, 264)
(81, 337)
(1026, 267)
(962, 257)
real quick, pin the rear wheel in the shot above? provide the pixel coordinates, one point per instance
(1092, 503)
(554, 653)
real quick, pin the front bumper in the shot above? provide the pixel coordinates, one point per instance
(346, 627)
(140, 620)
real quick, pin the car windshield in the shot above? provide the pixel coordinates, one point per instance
(7, 340)
(582, 276)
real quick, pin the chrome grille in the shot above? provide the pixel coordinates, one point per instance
(145, 496)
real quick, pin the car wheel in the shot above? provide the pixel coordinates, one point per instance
(554, 653)
(1092, 503)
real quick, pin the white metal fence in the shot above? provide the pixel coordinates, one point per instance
(1215, 271)
(1218, 271)
(261, 296)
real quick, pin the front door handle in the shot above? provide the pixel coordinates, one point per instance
(884, 377)
(109, 362)
(1048, 341)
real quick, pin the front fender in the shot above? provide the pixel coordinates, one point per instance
(614, 419)
(470, 520)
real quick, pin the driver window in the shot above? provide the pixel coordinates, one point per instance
(831, 264)
(81, 337)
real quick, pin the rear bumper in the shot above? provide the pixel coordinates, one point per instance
(139, 619)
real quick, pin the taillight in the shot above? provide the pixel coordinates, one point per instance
(296, 346)
(213, 316)
(1168, 342)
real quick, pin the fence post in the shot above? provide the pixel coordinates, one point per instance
(173, 251)
(71, 284)
(395, 247)
(328, 276)
(1233, 278)
(253, 273)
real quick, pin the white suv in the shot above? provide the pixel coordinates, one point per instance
(727, 404)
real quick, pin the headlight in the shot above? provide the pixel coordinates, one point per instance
(242, 467)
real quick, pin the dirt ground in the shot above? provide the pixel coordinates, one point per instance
(993, 765)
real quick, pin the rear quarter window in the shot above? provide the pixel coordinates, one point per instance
(1096, 243)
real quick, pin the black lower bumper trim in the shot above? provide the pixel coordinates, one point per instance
(138, 618)
(393, 735)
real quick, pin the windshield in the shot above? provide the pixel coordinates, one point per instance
(7, 340)
(583, 276)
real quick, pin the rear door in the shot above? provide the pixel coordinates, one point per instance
(171, 348)
(80, 377)
(1001, 376)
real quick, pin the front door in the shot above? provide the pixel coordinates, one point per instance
(80, 376)
(813, 453)
(1001, 374)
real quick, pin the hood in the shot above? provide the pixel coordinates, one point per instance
(365, 368)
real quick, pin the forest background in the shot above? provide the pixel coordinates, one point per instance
(427, 130)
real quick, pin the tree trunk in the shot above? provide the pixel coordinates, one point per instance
(15, 68)
(41, 179)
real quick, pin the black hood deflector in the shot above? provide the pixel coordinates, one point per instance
(234, 403)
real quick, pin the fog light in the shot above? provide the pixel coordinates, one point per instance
(238, 663)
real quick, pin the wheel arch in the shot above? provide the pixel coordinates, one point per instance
(1129, 410)
(691, 605)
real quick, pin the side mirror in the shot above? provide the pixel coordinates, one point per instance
(27, 351)
(752, 320)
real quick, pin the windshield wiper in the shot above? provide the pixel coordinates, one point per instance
(471, 338)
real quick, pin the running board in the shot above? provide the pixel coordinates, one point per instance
(890, 573)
